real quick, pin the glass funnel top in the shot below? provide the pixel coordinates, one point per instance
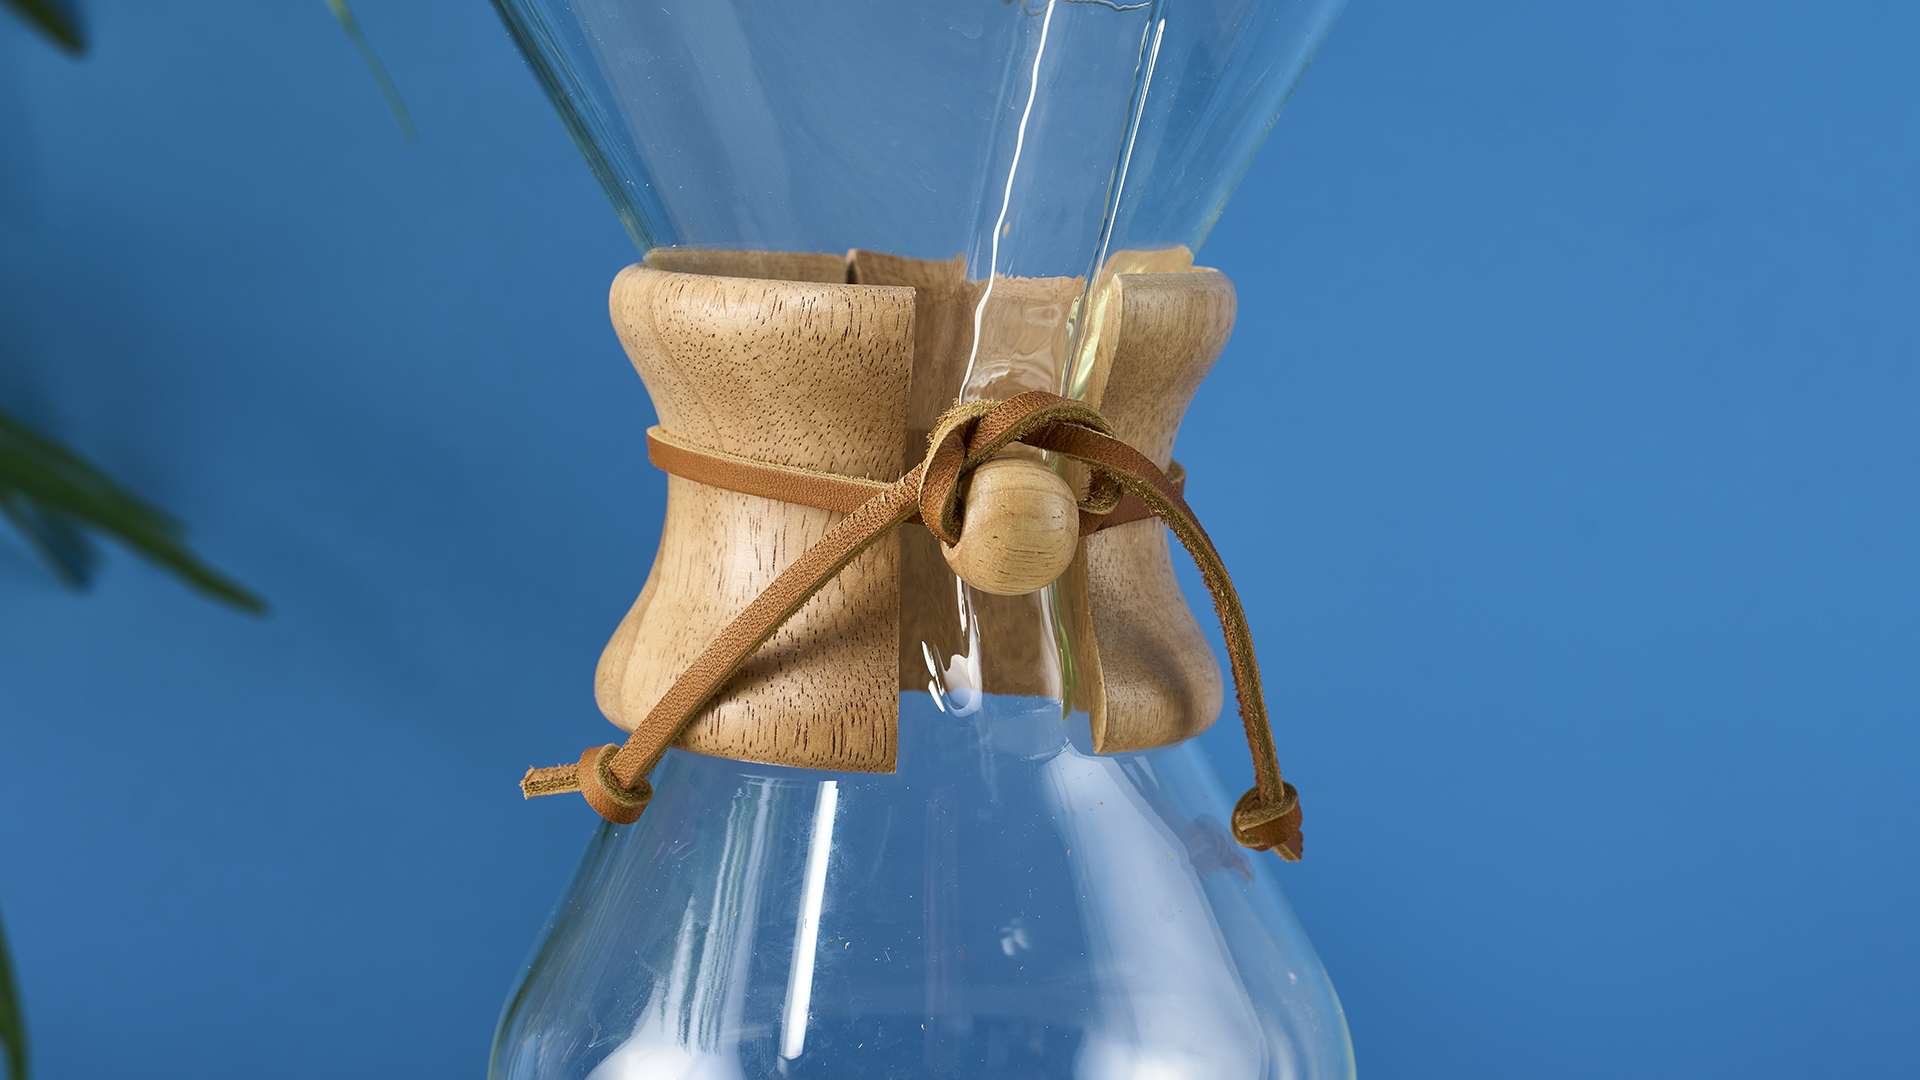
(1007, 905)
(1031, 136)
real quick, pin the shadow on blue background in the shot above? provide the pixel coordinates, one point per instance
(1576, 363)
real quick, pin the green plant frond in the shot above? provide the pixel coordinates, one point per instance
(60, 543)
(13, 1026)
(395, 103)
(51, 493)
(55, 19)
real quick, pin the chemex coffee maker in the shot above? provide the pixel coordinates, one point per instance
(909, 786)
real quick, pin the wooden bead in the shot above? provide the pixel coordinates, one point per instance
(1019, 528)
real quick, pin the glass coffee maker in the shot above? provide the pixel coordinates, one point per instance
(939, 824)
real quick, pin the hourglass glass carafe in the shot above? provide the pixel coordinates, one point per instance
(935, 825)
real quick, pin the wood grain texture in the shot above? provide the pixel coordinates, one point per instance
(764, 265)
(952, 637)
(942, 331)
(1093, 357)
(1144, 671)
(1024, 337)
(813, 375)
(1019, 527)
(843, 366)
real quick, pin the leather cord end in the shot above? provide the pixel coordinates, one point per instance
(1261, 825)
(555, 780)
(617, 804)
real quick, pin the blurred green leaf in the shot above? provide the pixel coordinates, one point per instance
(61, 543)
(55, 18)
(13, 1028)
(51, 493)
(344, 16)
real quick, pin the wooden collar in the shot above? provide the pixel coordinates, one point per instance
(613, 777)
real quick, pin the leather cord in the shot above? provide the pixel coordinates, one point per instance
(613, 777)
(821, 490)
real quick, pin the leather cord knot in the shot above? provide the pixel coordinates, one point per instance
(613, 778)
(972, 433)
(1261, 823)
(619, 803)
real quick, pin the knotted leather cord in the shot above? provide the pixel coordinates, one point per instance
(820, 490)
(613, 777)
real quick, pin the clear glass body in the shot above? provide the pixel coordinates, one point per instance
(1037, 138)
(1008, 903)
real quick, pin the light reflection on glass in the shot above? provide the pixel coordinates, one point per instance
(1006, 904)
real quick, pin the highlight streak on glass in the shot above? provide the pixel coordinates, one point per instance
(806, 932)
(1126, 156)
(1080, 368)
(1006, 200)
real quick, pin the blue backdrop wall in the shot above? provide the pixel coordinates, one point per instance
(1577, 352)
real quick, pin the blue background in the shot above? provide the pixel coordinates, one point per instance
(1576, 373)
